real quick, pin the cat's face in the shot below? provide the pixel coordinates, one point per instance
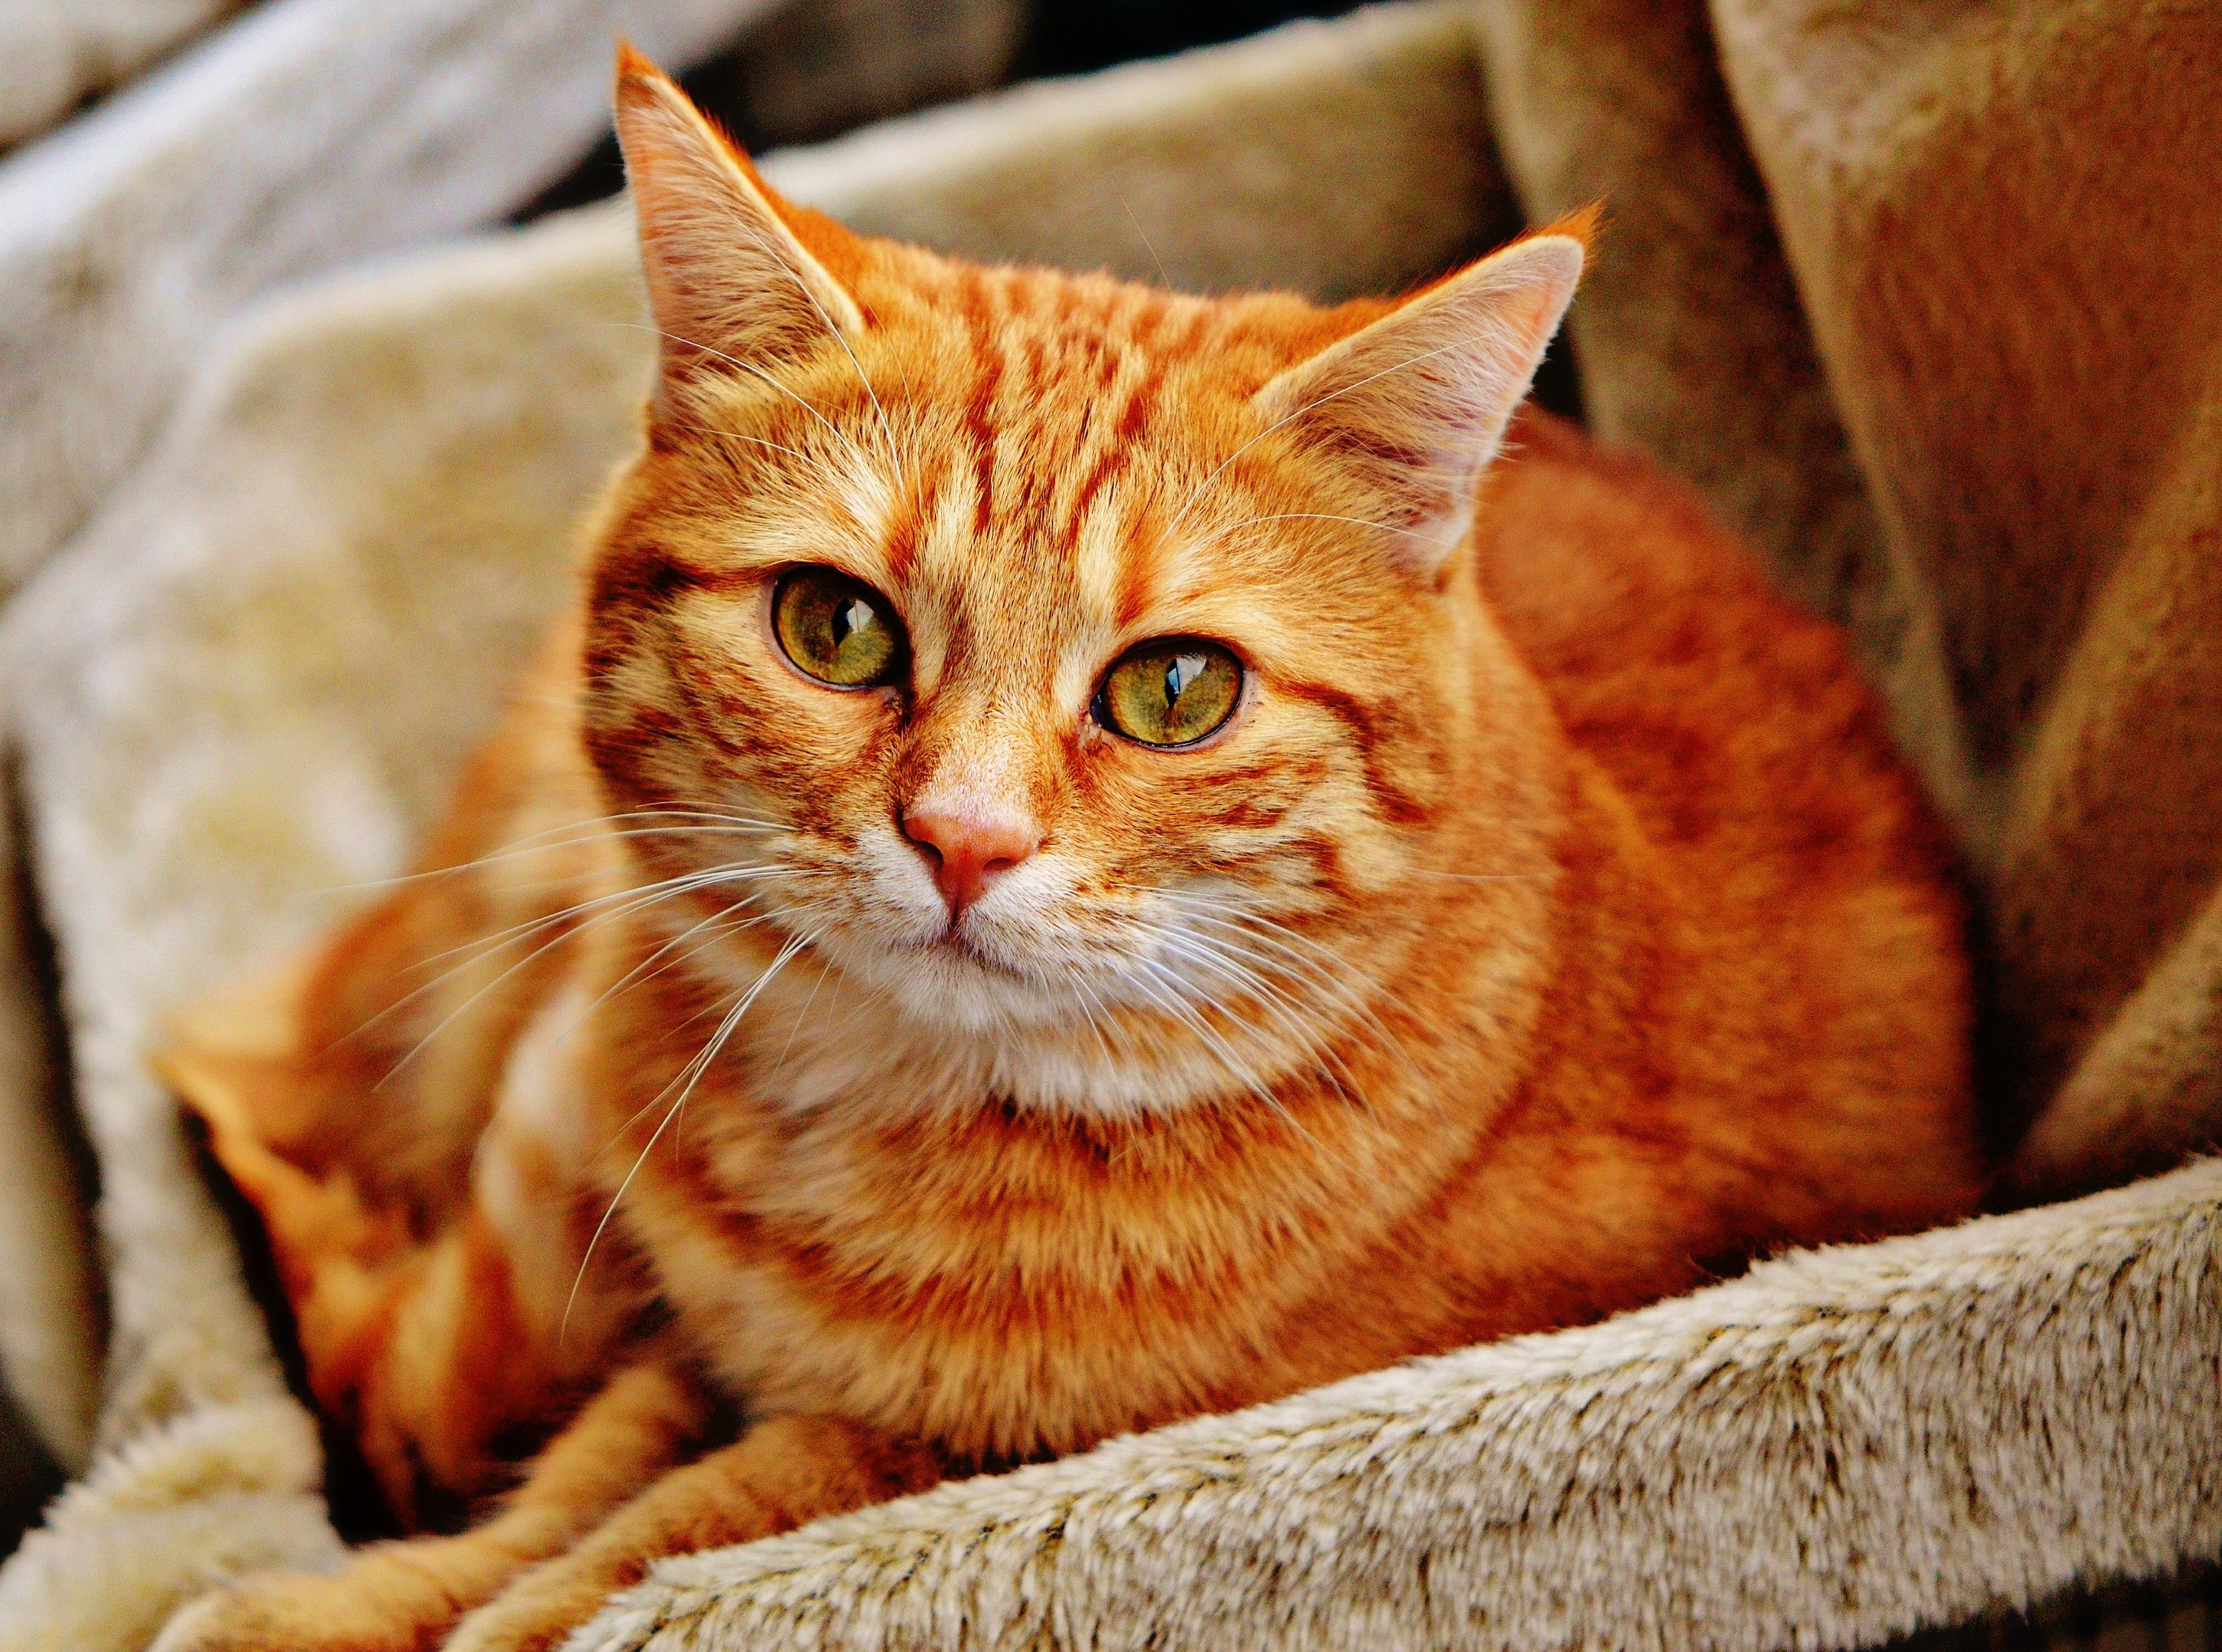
(975, 610)
(1060, 658)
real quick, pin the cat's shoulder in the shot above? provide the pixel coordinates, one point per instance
(1605, 568)
(1735, 720)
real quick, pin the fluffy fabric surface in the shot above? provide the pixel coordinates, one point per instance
(1690, 336)
(1843, 1445)
(59, 51)
(203, 1463)
(310, 134)
(253, 679)
(50, 1309)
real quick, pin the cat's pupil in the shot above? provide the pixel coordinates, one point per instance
(1181, 670)
(849, 617)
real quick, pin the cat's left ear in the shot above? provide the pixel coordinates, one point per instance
(731, 282)
(1416, 404)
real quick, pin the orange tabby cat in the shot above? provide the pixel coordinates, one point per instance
(1078, 862)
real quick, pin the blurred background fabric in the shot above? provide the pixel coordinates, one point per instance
(61, 52)
(1923, 299)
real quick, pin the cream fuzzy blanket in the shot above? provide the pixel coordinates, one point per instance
(307, 134)
(60, 51)
(246, 686)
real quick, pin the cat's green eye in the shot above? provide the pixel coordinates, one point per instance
(836, 629)
(1170, 692)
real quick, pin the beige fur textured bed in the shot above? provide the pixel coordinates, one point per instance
(242, 688)
(59, 52)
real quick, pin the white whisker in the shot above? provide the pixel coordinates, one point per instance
(1260, 931)
(727, 922)
(581, 830)
(692, 1073)
(567, 923)
(1283, 1007)
(1310, 516)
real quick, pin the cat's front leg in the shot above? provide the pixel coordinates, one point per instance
(783, 1472)
(406, 1596)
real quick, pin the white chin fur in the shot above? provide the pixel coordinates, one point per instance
(1014, 1004)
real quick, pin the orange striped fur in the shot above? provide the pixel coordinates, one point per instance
(1548, 924)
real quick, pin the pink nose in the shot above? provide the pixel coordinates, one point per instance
(967, 850)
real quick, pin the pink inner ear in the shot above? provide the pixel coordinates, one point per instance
(726, 277)
(1416, 405)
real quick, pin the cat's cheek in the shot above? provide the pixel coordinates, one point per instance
(905, 906)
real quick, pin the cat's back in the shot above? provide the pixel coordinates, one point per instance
(1677, 669)
(1808, 886)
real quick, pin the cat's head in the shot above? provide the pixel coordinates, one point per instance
(1066, 663)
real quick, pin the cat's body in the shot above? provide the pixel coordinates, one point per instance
(1544, 921)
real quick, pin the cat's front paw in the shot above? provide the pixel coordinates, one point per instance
(288, 1612)
(538, 1611)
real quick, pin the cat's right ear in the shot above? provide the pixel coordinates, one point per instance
(730, 285)
(1416, 404)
